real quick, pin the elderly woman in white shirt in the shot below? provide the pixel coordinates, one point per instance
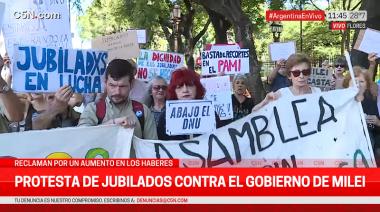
(298, 68)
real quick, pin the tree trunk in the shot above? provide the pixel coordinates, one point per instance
(221, 26)
(232, 11)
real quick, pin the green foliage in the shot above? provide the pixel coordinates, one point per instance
(103, 17)
(255, 11)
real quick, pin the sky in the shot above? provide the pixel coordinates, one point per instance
(78, 43)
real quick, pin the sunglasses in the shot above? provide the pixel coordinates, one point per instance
(305, 72)
(339, 65)
(160, 87)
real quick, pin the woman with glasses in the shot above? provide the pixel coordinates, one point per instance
(338, 75)
(157, 91)
(298, 67)
(367, 97)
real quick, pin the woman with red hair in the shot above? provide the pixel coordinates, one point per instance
(184, 85)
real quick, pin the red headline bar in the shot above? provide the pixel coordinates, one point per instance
(108, 163)
(121, 181)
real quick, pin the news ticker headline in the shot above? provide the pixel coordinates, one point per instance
(130, 163)
(189, 181)
(155, 181)
(175, 163)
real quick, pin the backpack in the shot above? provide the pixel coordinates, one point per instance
(138, 109)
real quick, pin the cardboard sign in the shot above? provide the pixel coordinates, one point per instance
(121, 45)
(278, 50)
(218, 90)
(152, 63)
(37, 69)
(184, 117)
(222, 59)
(320, 77)
(76, 142)
(315, 130)
(37, 23)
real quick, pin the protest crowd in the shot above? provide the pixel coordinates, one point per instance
(131, 102)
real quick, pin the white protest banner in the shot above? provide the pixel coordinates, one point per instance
(315, 130)
(38, 23)
(152, 63)
(222, 59)
(218, 90)
(370, 41)
(185, 117)
(278, 51)
(320, 77)
(78, 142)
(37, 69)
(141, 35)
(122, 45)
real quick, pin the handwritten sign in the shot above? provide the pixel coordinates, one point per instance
(189, 117)
(280, 51)
(37, 69)
(320, 77)
(152, 63)
(218, 90)
(300, 131)
(121, 45)
(223, 59)
(37, 23)
(369, 41)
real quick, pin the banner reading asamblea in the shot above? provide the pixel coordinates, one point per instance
(37, 69)
(38, 23)
(316, 130)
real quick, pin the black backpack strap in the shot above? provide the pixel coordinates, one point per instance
(101, 110)
(138, 109)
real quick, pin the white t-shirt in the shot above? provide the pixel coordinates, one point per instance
(286, 92)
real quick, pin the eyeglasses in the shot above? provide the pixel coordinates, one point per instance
(339, 65)
(305, 72)
(160, 87)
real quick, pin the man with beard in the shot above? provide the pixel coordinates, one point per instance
(118, 107)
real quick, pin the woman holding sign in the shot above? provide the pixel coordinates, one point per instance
(184, 85)
(298, 67)
(367, 96)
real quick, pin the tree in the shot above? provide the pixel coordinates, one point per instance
(243, 28)
(105, 17)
